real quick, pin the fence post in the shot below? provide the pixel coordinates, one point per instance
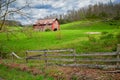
(26, 57)
(45, 58)
(118, 56)
(74, 56)
(12, 57)
(0, 55)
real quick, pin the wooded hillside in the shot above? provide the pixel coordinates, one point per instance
(98, 11)
(12, 23)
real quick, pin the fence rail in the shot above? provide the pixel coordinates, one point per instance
(87, 54)
(77, 59)
(61, 50)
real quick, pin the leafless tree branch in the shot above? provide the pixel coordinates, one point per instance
(5, 11)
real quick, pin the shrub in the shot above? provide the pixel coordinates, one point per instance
(104, 32)
(47, 30)
(108, 41)
(106, 36)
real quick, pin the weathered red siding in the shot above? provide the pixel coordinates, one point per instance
(51, 24)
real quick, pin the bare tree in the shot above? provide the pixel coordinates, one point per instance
(6, 11)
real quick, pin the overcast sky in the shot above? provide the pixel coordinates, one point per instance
(42, 8)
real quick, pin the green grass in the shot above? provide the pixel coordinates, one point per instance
(89, 25)
(43, 40)
(14, 74)
(72, 35)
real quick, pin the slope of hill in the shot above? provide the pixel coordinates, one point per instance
(81, 35)
(91, 25)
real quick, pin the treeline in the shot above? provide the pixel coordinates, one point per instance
(11, 23)
(97, 11)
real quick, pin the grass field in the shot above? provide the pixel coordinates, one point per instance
(8, 73)
(91, 25)
(72, 35)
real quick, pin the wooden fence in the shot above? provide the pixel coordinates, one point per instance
(73, 59)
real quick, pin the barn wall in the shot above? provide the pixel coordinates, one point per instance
(43, 27)
(47, 27)
(39, 27)
(55, 25)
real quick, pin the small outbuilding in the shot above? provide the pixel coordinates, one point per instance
(47, 24)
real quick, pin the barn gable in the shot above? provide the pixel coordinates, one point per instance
(45, 24)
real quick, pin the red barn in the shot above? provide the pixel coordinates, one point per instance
(47, 24)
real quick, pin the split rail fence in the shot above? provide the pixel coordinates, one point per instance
(73, 59)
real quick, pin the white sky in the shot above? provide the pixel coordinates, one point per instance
(42, 8)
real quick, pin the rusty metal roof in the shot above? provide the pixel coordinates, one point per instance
(45, 21)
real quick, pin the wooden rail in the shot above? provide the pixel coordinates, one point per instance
(87, 54)
(61, 50)
(77, 59)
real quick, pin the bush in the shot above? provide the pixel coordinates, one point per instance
(108, 41)
(104, 32)
(47, 30)
(106, 35)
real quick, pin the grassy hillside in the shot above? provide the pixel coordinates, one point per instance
(91, 25)
(72, 35)
(8, 73)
